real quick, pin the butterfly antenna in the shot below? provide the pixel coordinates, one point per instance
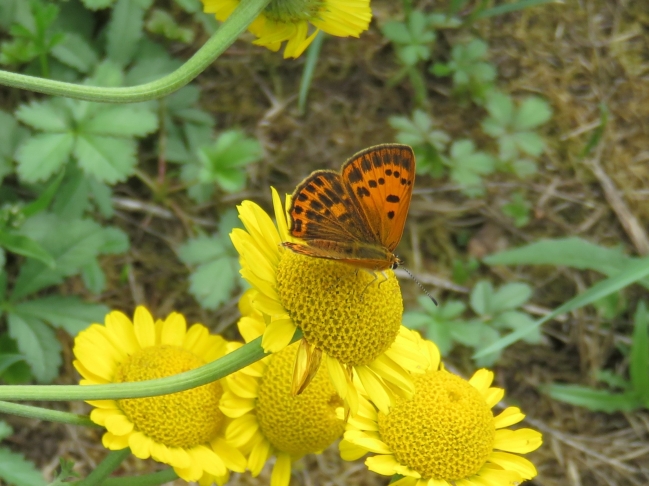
(420, 285)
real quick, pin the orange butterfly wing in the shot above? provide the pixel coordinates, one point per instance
(381, 178)
(356, 216)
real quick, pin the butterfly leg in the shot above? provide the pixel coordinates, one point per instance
(385, 278)
(374, 279)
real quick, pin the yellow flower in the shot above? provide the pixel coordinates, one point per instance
(350, 318)
(290, 20)
(445, 435)
(185, 429)
(267, 418)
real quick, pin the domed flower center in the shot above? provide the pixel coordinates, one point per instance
(293, 10)
(182, 419)
(446, 431)
(351, 314)
(300, 424)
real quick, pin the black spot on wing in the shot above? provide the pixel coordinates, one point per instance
(316, 205)
(310, 188)
(381, 181)
(326, 200)
(318, 182)
(391, 198)
(298, 209)
(388, 172)
(372, 184)
(362, 191)
(302, 197)
(403, 181)
(355, 175)
(397, 174)
(366, 164)
(390, 214)
(297, 225)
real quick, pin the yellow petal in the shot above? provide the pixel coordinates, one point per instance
(241, 430)
(120, 327)
(278, 335)
(251, 328)
(231, 456)
(349, 451)
(114, 442)
(233, 406)
(118, 424)
(482, 379)
(144, 327)
(280, 217)
(173, 330)
(378, 393)
(140, 445)
(493, 395)
(281, 475)
(363, 439)
(382, 464)
(509, 416)
(178, 457)
(243, 385)
(258, 456)
(521, 441)
(512, 462)
(208, 460)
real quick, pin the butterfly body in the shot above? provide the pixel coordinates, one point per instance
(356, 216)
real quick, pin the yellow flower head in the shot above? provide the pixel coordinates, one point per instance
(445, 435)
(291, 20)
(350, 318)
(267, 418)
(185, 429)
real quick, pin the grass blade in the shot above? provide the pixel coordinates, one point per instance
(312, 56)
(597, 291)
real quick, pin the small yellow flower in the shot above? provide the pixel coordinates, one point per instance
(291, 20)
(185, 429)
(445, 435)
(267, 418)
(350, 318)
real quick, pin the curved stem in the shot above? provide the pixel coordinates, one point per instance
(105, 468)
(153, 479)
(45, 414)
(243, 15)
(242, 357)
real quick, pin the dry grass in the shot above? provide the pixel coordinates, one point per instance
(577, 56)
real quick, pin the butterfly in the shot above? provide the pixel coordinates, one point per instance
(357, 215)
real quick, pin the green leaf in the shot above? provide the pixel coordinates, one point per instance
(515, 320)
(397, 32)
(121, 121)
(42, 155)
(532, 112)
(5, 430)
(102, 196)
(510, 296)
(7, 360)
(160, 22)
(97, 4)
(74, 51)
(25, 246)
(16, 470)
(595, 400)
(72, 200)
(125, 30)
(68, 313)
(570, 252)
(481, 298)
(47, 116)
(501, 108)
(38, 343)
(11, 136)
(109, 159)
(81, 242)
(94, 277)
(44, 199)
(639, 359)
(601, 289)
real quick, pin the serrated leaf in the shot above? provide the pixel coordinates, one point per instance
(639, 359)
(81, 242)
(481, 297)
(109, 159)
(69, 313)
(16, 470)
(7, 360)
(529, 142)
(22, 245)
(94, 277)
(595, 400)
(201, 249)
(121, 121)
(510, 296)
(397, 32)
(38, 343)
(44, 115)
(72, 200)
(74, 51)
(124, 30)
(42, 155)
(501, 108)
(532, 112)
(102, 196)
(212, 283)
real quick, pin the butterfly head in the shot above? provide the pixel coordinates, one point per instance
(396, 262)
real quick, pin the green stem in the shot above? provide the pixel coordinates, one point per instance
(45, 414)
(153, 479)
(105, 468)
(242, 357)
(229, 31)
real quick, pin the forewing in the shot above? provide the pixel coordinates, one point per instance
(321, 209)
(381, 179)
